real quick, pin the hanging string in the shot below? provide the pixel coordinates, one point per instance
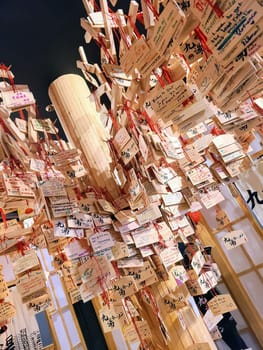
(134, 27)
(3, 215)
(152, 8)
(114, 120)
(160, 79)
(140, 18)
(102, 45)
(183, 141)
(182, 56)
(188, 100)
(4, 127)
(215, 8)
(160, 237)
(116, 269)
(203, 41)
(78, 193)
(216, 131)
(153, 126)
(166, 74)
(153, 303)
(120, 33)
(127, 109)
(134, 322)
(21, 114)
(22, 247)
(115, 158)
(255, 106)
(101, 281)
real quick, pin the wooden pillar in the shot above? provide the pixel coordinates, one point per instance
(81, 122)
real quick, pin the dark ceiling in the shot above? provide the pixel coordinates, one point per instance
(40, 39)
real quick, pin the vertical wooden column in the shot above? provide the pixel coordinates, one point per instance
(81, 123)
(70, 97)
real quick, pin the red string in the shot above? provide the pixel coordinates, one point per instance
(183, 141)
(255, 106)
(21, 114)
(185, 60)
(134, 28)
(216, 131)
(115, 158)
(21, 247)
(106, 194)
(134, 322)
(209, 283)
(190, 249)
(96, 6)
(150, 122)
(101, 44)
(5, 128)
(215, 8)
(116, 269)
(114, 120)
(160, 237)
(148, 294)
(164, 163)
(101, 279)
(203, 41)
(2, 213)
(129, 116)
(122, 33)
(36, 110)
(160, 79)
(77, 193)
(188, 100)
(152, 8)
(166, 74)
(140, 18)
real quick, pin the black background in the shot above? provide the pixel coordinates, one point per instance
(40, 39)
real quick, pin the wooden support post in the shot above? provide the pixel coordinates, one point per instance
(77, 113)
